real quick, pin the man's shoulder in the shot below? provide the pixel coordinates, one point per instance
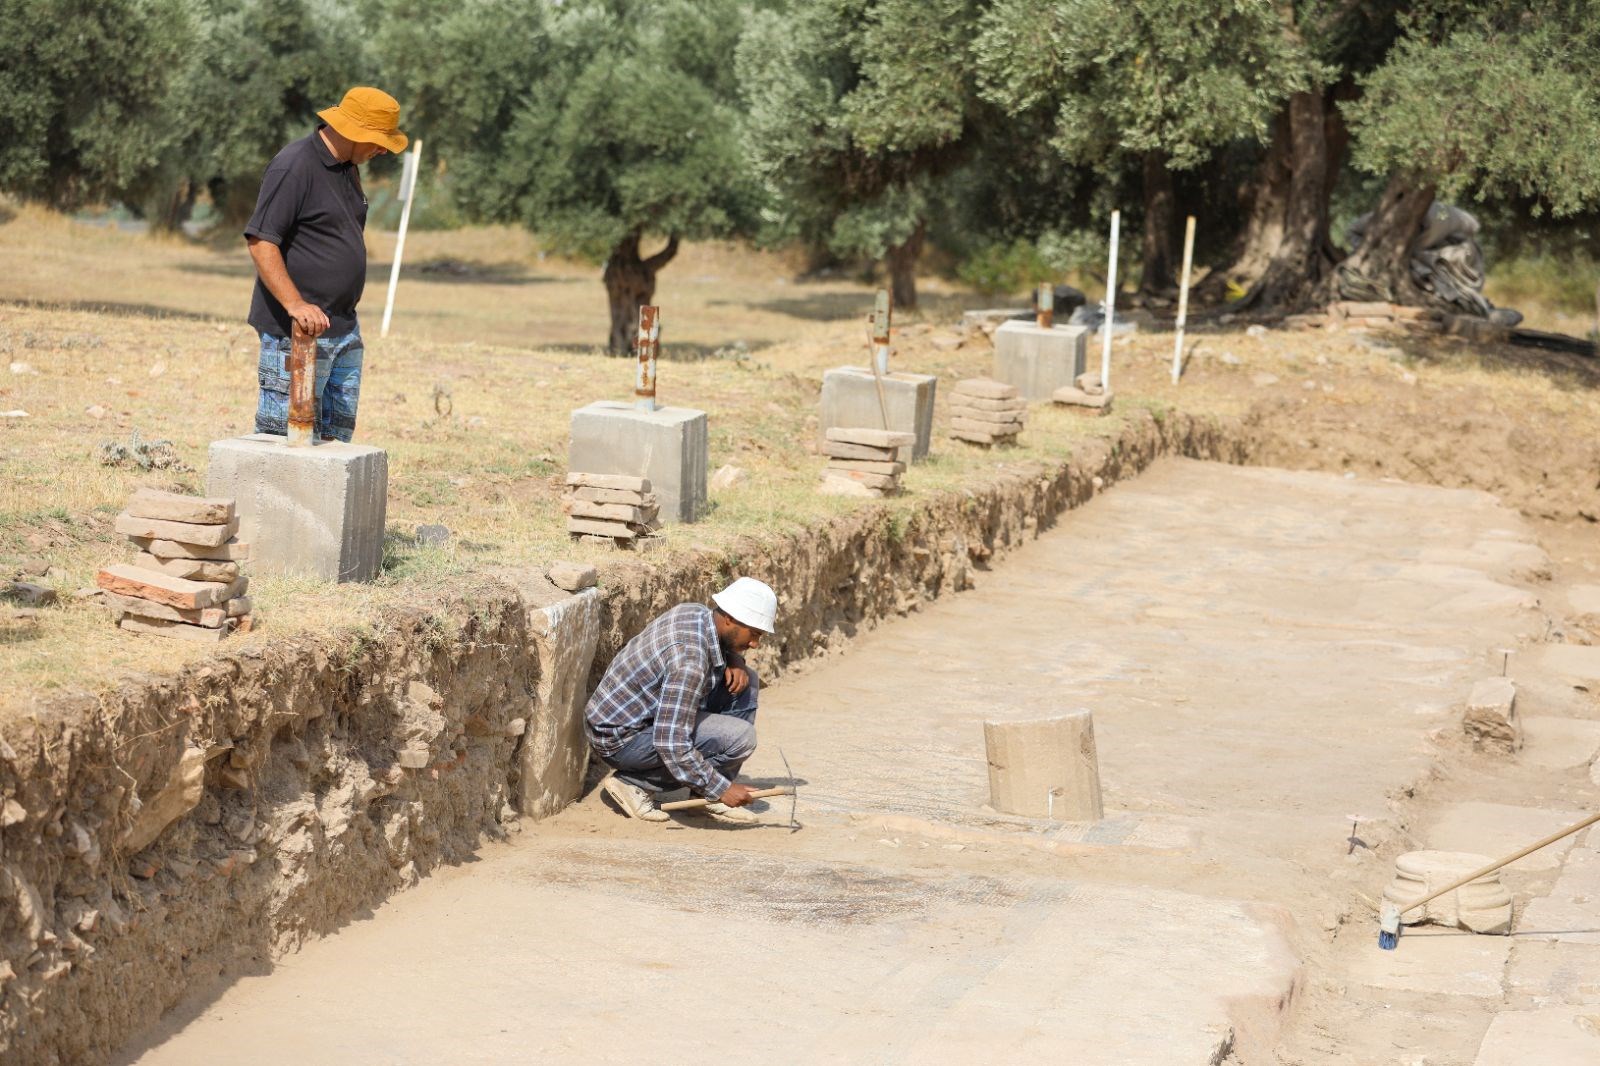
(293, 155)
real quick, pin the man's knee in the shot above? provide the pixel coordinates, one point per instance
(727, 738)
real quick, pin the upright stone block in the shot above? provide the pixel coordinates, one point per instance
(1045, 767)
(850, 401)
(1039, 361)
(316, 512)
(669, 446)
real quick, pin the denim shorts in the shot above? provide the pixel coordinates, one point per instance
(338, 385)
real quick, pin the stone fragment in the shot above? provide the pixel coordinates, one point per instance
(874, 481)
(982, 403)
(613, 512)
(246, 624)
(516, 727)
(125, 580)
(987, 389)
(177, 630)
(178, 795)
(1491, 719)
(877, 438)
(12, 813)
(969, 425)
(946, 342)
(841, 486)
(839, 450)
(1075, 397)
(1551, 1036)
(232, 550)
(627, 496)
(978, 414)
(173, 507)
(620, 482)
(1045, 767)
(185, 532)
(29, 594)
(1482, 905)
(239, 606)
(193, 569)
(599, 528)
(728, 477)
(210, 617)
(32, 567)
(414, 756)
(573, 577)
(973, 436)
(868, 466)
(432, 536)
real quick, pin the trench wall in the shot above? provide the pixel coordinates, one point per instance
(184, 827)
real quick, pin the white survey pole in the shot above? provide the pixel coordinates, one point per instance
(1110, 307)
(1183, 299)
(411, 165)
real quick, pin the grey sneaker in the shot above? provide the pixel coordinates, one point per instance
(724, 813)
(634, 801)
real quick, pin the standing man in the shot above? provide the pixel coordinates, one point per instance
(307, 240)
(677, 706)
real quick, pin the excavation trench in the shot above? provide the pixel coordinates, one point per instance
(205, 823)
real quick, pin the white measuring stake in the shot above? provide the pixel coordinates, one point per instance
(1110, 307)
(1183, 299)
(410, 165)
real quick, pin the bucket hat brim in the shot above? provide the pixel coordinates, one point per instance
(391, 140)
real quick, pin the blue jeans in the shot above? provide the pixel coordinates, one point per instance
(338, 385)
(724, 733)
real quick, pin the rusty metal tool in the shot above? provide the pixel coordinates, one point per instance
(1044, 305)
(878, 349)
(761, 793)
(302, 387)
(647, 346)
(794, 792)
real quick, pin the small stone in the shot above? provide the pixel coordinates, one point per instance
(516, 727)
(433, 536)
(1309, 386)
(23, 368)
(1491, 719)
(728, 477)
(1262, 380)
(414, 757)
(15, 413)
(29, 594)
(96, 411)
(572, 577)
(1256, 330)
(946, 342)
(1231, 359)
(12, 813)
(158, 369)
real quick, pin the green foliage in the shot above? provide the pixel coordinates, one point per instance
(1016, 266)
(1138, 76)
(587, 121)
(1489, 101)
(83, 84)
(855, 109)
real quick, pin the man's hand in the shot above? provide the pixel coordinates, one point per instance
(738, 795)
(309, 317)
(738, 680)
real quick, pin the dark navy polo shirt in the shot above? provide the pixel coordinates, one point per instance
(312, 207)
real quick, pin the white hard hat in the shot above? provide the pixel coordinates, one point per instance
(749, 602)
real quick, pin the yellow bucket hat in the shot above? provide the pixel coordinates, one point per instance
(368, 115)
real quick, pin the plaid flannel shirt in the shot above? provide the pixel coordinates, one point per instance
(659, 681)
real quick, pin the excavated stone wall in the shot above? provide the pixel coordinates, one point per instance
(189, 826)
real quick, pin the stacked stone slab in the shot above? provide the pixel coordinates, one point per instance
(618, 509)
(1358, 317)
(987, 412)
(862, 462)
(1086, 396)
(185, 582)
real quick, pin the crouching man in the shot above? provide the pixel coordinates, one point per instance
(677, 706)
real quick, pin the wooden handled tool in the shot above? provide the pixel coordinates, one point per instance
(760, 793)
(1389, 922)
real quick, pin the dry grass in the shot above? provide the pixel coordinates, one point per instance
(471, 395)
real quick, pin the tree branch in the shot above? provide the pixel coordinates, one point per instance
(663, 257)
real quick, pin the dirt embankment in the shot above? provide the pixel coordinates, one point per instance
(187, 826)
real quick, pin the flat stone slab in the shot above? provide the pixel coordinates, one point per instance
(1559, 743)
(1498, 829)
(1571, 911)
(1577, 664)
(1555, 1036)
(920, 968)
(1442, 962)
(1550, 972)
(1584, 599)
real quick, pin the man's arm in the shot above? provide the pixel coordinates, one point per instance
(673, 734)
(274, 274)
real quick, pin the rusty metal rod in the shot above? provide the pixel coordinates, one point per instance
(647, 346)
(302, 387)
(1045, 306)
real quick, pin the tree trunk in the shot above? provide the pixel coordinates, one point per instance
(901, 261)
(171, 211)
(1380, 269)
(1160, 216)
(630, 284)
(1298, 264)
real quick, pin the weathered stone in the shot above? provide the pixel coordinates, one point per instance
(1482, 905)
(666, 451)
(728, 477)
(234, 550)
(239, 606)
(1491, 717)
(973, 436)
(1552, 1036)
(184, 532)
(315, 512)
(627, 496)
(599, 528)
(210, 617)
(1045, 767)
(1075, 397)
(29, 594)
(983, 403)
(978, 414)
(874, 438)
(969, 425)
(157, 627)
(611, 482)
(840, 450)
(987, 389)
(842, 486)
(173, 507)
(573, 577)
(553, 754)
(414, 756)
(850, 398)
(867, 466)
(125, 580)
(193, 569)
(874, 481)
(614, 512)
(432, 536)
(1039, 361)
(179, 795)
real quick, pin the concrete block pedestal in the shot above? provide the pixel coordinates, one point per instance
(850, 401)
(669, 446)
(312, 511)
(1039, 361)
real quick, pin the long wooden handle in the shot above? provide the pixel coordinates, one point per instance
(1493, 866)
(760, 793)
